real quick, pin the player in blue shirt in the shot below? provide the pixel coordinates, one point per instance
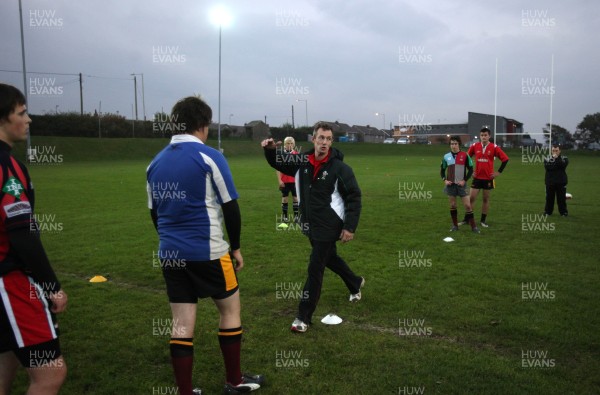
(190, 193)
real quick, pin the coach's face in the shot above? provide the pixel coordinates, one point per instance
(322, 141)
(15, 128)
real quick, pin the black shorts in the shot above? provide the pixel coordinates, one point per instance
(456, 190)
(483, 184)
(200, 279)
(40, 355)
(288, 187)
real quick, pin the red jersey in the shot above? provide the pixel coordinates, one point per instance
(25, 317)
(16, 195)
(484, 159)
(284, 177)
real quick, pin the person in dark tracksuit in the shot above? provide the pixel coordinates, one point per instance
(556, 181)
(330, 205)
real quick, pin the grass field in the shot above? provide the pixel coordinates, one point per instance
(510, 311)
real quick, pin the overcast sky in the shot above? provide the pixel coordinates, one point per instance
(426, 61)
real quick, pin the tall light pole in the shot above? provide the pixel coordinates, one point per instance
(380, 113)
(305, 108)
(24, 75)
(143, 94)
(220, 17)
(135, 95)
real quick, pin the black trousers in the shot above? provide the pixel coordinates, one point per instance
(324, 254)
(559, 191)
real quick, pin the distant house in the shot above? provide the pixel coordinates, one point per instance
(257, 130)
(230, 130)
(369, 134)
(343, 130)
(508, 130)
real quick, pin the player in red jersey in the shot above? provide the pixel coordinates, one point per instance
(485, 176)
(30, 293)
(287, 184)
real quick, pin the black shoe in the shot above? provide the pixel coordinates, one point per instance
(249, 383)
(564, 215)
(476, 230)
(454, 228)
(197, 391)
(284, 218)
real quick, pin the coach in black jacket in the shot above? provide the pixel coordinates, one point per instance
(330, 204)
(556, 181)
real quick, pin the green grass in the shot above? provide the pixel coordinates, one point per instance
(468, 297)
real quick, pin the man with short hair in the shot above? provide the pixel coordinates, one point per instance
(30, 292)
(190, 191)
(330, 205)
(456, 169)
(485, 176)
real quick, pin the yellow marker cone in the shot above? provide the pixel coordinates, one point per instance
(98, 279)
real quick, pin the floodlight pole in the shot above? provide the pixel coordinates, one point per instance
(143, 97)
(24, 76)
(305, 108)
(135, 96)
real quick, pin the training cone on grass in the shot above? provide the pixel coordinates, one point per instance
(98, 279)
(331, 319)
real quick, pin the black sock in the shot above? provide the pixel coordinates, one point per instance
(454, 215)
(284, 209)
(470, 218)
(483, 217)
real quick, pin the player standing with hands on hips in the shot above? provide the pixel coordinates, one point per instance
(190, 193)
(485, 152)
(30, 292)
(330, 205)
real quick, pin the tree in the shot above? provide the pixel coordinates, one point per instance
(560, 136)
(588, 130)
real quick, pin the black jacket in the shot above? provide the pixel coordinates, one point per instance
(555, 170)
(329, 202)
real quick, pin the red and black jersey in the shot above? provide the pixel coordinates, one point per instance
(16, 199)
(20, 244)
(26, 277)
(484, 159)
